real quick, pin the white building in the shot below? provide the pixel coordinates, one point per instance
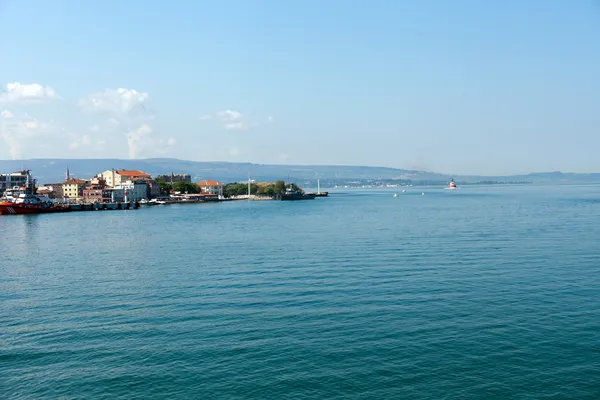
(134, 190)
(211, 187)
(8, 181)
(117, 195)
(115, 177)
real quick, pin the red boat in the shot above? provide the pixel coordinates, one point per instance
(24, 201)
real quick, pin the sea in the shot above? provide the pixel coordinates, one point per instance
(484, 292)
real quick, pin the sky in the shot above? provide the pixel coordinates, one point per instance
(461, 87)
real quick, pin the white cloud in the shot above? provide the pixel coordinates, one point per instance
(229, 115)
(233, 120)
(116, 101)
(16, 92)
(5, 114)
(140, 141)
(19, 132)
(116, 115)
(137, 138)
(237, 126)
(234, 152)
(82, 141)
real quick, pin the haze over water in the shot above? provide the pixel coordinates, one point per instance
(483, 292)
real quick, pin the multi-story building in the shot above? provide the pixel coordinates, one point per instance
(114, 177)
(9, 181)
(73, 188)
(96, 194)
(135, 190)
(115, 194)
(175, 178)
(211, 187)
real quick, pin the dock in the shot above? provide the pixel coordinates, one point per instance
(103, 206)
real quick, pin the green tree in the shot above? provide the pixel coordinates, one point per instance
(186, 187)
(279, 186)
(234, 189)
(165, 187)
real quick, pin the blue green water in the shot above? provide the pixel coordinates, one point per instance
(479, 293)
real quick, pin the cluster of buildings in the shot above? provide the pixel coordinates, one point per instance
(111, 186)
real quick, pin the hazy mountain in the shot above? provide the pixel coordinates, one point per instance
(53, 170)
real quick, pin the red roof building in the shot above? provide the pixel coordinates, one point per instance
(211, 187)
(132, 174)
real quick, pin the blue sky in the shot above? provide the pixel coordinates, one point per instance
(459, 87)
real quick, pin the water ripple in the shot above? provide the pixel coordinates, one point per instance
(480, 293)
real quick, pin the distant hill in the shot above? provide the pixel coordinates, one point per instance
(53, 170)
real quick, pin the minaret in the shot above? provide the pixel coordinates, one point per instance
(68, 174)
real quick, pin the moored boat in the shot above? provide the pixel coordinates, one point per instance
(452, 184)
(23, 200)
(295, 194)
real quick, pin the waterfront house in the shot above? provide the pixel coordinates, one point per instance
(114, 177)
(134, 190)
(73, 188)
(211, 187)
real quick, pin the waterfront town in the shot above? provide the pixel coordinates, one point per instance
(135, 186)
(118, 185)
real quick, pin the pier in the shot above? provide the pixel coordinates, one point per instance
(104, 206)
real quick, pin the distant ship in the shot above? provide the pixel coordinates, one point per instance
(452, 185)
(292, 194)
(23, 200)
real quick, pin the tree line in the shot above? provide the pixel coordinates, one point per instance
(257, 188)
(183, 187)
(230, 189)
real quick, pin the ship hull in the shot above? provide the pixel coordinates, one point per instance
(20, 209)
(297, 197)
